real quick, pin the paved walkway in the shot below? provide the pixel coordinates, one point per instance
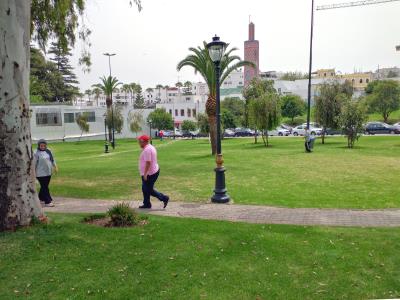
(246, 213)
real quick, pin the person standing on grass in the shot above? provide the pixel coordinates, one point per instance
(44, 165)
(149, 170)
(161, 135)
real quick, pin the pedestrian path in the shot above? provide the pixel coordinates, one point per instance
(245, 213)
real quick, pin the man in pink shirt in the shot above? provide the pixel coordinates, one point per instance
(149, 170)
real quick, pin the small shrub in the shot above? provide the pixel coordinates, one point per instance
(296, 121)
(123, 215)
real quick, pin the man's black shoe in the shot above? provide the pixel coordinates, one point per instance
(166, 199)
(144, 207)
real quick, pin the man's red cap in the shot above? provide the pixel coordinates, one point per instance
(144, 138)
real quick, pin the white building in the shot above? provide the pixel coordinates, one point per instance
(183, 107)
(233, 85)
(58, 122)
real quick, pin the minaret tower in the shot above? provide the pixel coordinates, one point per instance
(251, 53)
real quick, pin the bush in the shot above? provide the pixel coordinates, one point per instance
(296, 121)
(123, 215)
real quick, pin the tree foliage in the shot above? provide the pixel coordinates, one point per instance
(202, 122)
(82, 122)
(236, 108)
(115, 115)
(264, 114)
(292, 76)
(329, 102)
(256, 88)
(139, 100)
(351, 120)
(189, 125)
(292, 106)
(108, 86)
(160, 119)
(135, 121)
(384, 98)
(201, 62)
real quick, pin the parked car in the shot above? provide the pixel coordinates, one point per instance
(397, 125)
(287, 127)
(301, 130)
(240, 132)
(381, 128)
(313, 124)
(229, 133)
(333, 131)
(279, 131)
(190, 134)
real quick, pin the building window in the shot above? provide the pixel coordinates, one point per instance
(182, 112)
(170, 111)
(48, 119)
(361, 81)
(189, 113)
(324, 74)
(69, 118)
(187, 98)
(194, 113)
(367, 81)
(176, 112)
(91, 116)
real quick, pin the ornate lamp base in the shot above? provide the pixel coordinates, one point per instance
(220, 192)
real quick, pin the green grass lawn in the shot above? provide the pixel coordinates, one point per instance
(193, 259)
(283, 175)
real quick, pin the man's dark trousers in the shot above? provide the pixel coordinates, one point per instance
(148, 189)
(44, 193)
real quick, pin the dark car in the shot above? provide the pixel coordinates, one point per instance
(333, 131)
(242, 132)
(380, 128)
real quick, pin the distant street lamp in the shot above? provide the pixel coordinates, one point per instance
(112, 102)
(216, 50)
(105, 134)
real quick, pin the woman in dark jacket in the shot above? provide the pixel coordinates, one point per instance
(44, 164)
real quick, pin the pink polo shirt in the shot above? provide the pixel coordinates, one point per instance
(149, 153)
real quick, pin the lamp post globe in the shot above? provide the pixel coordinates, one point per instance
(216, 50)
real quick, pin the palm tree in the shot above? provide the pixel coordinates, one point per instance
(201, 62)
(126, 88)
(88, 92)
(159, 87)
(188, 87)
(96, 92)
(108, 85)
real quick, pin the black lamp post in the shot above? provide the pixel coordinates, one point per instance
(310, 67)
(216, 49)
(151, 140)
(105, 134)
(112, 103)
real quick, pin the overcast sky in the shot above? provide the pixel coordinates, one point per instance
(149, 44)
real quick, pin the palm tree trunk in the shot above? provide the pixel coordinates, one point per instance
(211, 107)
(212, 121)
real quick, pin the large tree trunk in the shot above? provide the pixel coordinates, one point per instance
(211, 108)
(18, 200)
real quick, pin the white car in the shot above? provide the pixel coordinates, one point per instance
(279, 131)
(301, 130)
(397, 125)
